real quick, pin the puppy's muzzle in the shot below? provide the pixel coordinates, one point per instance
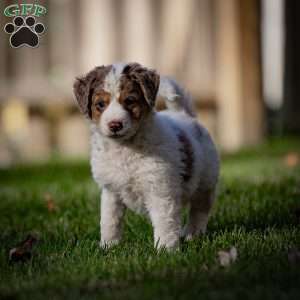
(115, 126)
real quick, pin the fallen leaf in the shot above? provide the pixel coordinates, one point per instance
(227, 257)
(23, 251)
(294, 255)
(292, 159)
(233, 254)
(51, 206)
(224, 258)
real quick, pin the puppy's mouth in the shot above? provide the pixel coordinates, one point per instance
(121, 136)
(116, 136)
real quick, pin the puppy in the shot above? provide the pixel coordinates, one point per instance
(151, 162)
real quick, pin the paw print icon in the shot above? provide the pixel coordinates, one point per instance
(24, 32)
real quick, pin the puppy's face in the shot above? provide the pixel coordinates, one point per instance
(117, 98)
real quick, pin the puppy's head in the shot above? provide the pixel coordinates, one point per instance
(117, 98)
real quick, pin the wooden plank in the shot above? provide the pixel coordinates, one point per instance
(97, 37)
(176, 25)
(138, 31)
(238, 74)
(63, 43)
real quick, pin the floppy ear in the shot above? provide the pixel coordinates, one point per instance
(83, 93)
(147, 79)
(80, 89)
(83, 88)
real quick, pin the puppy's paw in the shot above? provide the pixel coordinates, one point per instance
(108, 244)
(189, 234)
(169, 246)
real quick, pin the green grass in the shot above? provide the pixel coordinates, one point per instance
(254, 212)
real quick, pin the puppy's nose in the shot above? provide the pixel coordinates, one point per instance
(115, 126)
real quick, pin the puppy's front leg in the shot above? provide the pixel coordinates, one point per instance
(112, 211)
(165, 214)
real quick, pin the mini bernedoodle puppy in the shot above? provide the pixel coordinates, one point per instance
(151, 162)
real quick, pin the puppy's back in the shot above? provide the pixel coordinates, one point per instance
(175, 97)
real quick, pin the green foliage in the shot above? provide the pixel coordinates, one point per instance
(258, 195)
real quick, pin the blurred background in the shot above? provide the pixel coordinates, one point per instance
(238, 58)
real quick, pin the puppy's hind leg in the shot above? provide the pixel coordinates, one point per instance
(200, 207)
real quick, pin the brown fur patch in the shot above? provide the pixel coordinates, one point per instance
(84, 88)
(103, 97)
(132, 98)
(187, 156)
(147, 79)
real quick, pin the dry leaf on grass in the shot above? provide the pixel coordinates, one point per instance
(226, 258)
(51, 206)
(292, 159)
(294, 256)
(23, 251)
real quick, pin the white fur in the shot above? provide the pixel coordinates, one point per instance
(115, 112)
(143, 173)
(111, 83)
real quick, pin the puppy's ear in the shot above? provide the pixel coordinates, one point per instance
(81, 89)
(147, 79)
(84, 86)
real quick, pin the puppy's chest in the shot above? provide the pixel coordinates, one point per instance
(121, 171)
(117, 167)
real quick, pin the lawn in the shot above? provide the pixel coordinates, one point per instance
(259, 194)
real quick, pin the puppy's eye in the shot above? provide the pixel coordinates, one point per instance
(130, 100)
(100, 105)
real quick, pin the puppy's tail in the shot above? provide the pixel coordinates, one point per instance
(175, 97)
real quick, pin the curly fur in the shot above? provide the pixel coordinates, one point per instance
(160, 163)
